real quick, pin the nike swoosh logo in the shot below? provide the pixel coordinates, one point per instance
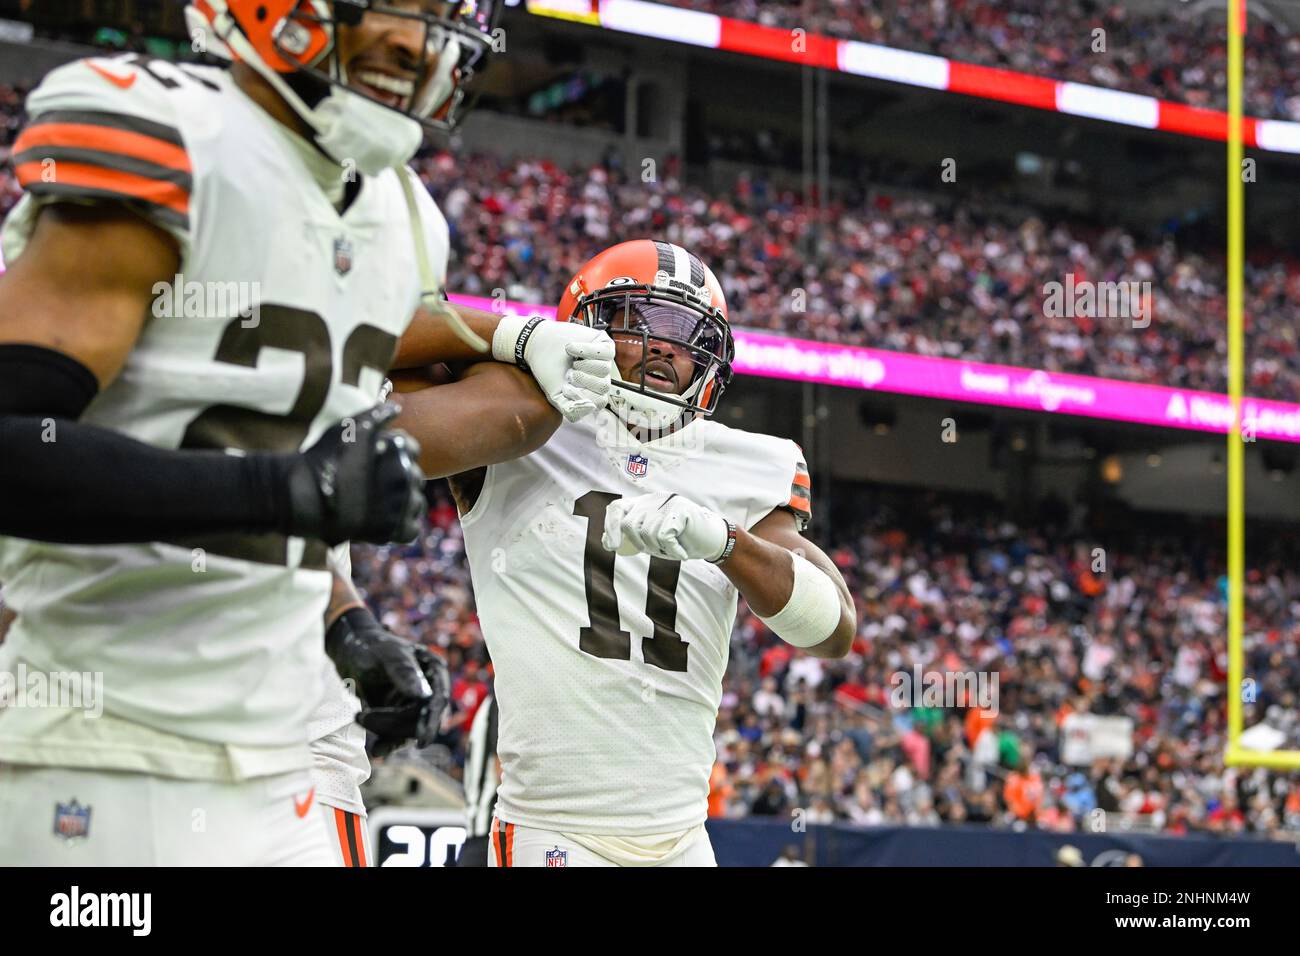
(121, 82)
(302, 807)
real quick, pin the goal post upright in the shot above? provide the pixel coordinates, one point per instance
(1234, 754)
(1236, 451)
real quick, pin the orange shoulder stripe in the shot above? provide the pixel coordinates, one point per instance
(128, 185)
(105, 139)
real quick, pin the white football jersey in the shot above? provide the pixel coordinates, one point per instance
(282, 321)
(609, 668)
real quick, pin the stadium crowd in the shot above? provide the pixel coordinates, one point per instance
(948, 585)
(1174, 54)
(875, 266)
(889, 269)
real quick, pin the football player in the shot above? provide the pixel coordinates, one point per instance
(486, 413)
(211, 271)
(607, 566)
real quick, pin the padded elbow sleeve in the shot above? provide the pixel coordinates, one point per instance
(813, 611)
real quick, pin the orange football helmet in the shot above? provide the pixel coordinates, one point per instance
(668, 296)
(294, 40)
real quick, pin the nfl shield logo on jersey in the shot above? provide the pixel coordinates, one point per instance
(342, 255)
(637, 465)
(557, 857)
(71, 820)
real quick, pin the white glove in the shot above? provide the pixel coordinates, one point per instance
(664, 526)
(573, 364)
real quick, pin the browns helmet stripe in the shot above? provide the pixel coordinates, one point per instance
(665, 251)
(678, 263)
(681, 265)
(697, 270)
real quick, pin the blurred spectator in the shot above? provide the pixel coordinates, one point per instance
(790, 856)
(1023, 793)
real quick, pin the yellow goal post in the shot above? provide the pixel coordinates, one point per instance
(1235, 754)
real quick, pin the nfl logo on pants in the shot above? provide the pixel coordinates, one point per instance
(557, 857)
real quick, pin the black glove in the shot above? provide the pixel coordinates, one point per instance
(404, 688)
(359, 482)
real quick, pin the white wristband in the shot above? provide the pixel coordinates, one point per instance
(505, 337)
(813, 611)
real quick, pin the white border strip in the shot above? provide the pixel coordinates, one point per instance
(900, 66)
(662, 22)
(1131, 109)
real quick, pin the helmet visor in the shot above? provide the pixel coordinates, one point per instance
(669, 330)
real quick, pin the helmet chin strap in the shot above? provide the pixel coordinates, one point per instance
(351, 128)
(430, 290)
(643, 411)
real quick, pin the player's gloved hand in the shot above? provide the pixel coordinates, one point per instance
(572, 363)
(664, 526)
(360, 482)
(404, 688)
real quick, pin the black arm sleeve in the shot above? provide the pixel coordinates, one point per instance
(67, 482)
(90, 485)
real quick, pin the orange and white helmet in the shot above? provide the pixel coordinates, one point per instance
(292, 44)
(673, 301)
